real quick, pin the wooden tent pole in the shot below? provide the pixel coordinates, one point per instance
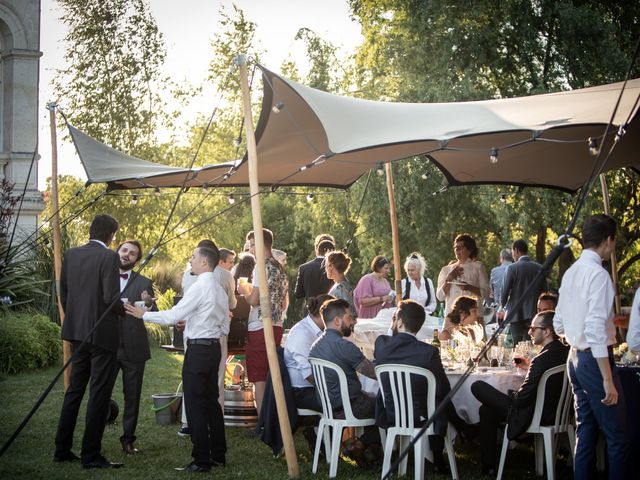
(265, 303)
(394, 233)
(614, 258)
(57, 237)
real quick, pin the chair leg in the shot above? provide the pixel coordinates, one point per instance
(388, 450)
(322, 431)
(571, 433)
(503, 454)
(453, 466)
(335, 451)
(539, 454)
(549, 454)
(326, 436)
(418, 458)
(403, 441)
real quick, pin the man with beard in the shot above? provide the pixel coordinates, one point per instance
(332, 346)
(133, 350)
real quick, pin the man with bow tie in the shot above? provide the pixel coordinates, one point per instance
(133, 350)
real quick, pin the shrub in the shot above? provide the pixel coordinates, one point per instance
(28, 341)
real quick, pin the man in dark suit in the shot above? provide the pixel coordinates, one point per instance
(88, 287)
(517, 281)
(312, 279)
(521, 403)
(405, 349)
(133, 350)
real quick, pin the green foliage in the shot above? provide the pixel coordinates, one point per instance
(28, 341)
(19, 284)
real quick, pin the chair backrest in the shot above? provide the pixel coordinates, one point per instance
(320, 368)
(399, 384)
(563, 402)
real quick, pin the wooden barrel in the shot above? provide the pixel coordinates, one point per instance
(239, 409)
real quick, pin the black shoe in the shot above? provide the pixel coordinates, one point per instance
(218, 463)
(184, 432)
(101, 462)
(66, 457)
(193, 467)
(441, 468)
(488, 470)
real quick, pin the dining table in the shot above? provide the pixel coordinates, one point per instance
(501, 378)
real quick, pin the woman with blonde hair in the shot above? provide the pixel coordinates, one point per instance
(416, 286)
(336, 265)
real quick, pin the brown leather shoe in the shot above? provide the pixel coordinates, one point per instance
(129, 448)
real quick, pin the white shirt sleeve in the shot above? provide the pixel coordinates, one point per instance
(599, 303)
(633, 335)
(181, 311)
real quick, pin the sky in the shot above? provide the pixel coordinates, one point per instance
(189, 26)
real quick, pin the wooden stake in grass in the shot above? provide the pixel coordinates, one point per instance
(265, 302)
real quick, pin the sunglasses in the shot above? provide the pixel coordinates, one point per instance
(537, 328)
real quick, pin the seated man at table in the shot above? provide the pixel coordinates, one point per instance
(521, 403)
(296, 353)
(332, 346)
(405, 349)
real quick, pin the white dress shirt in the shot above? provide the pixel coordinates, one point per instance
(296, 351)
(584, 315)
(420, 294)
(204, 307)
(633, 335)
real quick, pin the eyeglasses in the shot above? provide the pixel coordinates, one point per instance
(537, 328)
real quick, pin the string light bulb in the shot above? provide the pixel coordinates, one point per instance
(310, 197)
(237, 141)
(380, 170)
(277, 108)
(231, 199)
(593, 146)
(205, 187)
(156, 191)
(493, 156)
(425, 175)
(134, 199)
(503, 197)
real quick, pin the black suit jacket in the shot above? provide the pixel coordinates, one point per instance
(523, 401)
(134, 340)
(518, 278)
(89, 283)
(312, 279)
(405, 349)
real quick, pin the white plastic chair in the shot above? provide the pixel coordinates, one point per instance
(545, 435)
(400, 385)
(307, 412)
(328, 420)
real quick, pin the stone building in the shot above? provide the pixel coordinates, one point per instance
(19, 63)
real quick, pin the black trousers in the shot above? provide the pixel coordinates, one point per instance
(95, 365)
(493, 411)
(307, 398)
(204, 415)
(132, 377)
(520, 331)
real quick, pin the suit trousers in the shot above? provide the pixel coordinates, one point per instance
(96, 366)
(132, 377)
(493, 410)
(206, 421)
(520, 331)
(592, 416)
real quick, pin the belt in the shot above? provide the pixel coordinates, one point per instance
(588, 350)
(203, 341)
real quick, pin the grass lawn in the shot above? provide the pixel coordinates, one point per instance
(30, 456)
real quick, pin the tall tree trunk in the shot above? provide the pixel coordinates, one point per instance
(541, 243)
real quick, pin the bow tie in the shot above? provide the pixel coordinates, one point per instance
(124, 275)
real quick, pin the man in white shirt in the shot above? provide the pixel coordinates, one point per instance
(584, 316)
(205, 310)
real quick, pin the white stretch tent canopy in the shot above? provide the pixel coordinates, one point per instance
(309, 137)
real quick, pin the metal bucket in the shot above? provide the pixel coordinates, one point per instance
(167, 407)
(239, 409)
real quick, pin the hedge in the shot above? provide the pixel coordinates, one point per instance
(28, 341)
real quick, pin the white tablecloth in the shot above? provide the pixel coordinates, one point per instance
(467, 406)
